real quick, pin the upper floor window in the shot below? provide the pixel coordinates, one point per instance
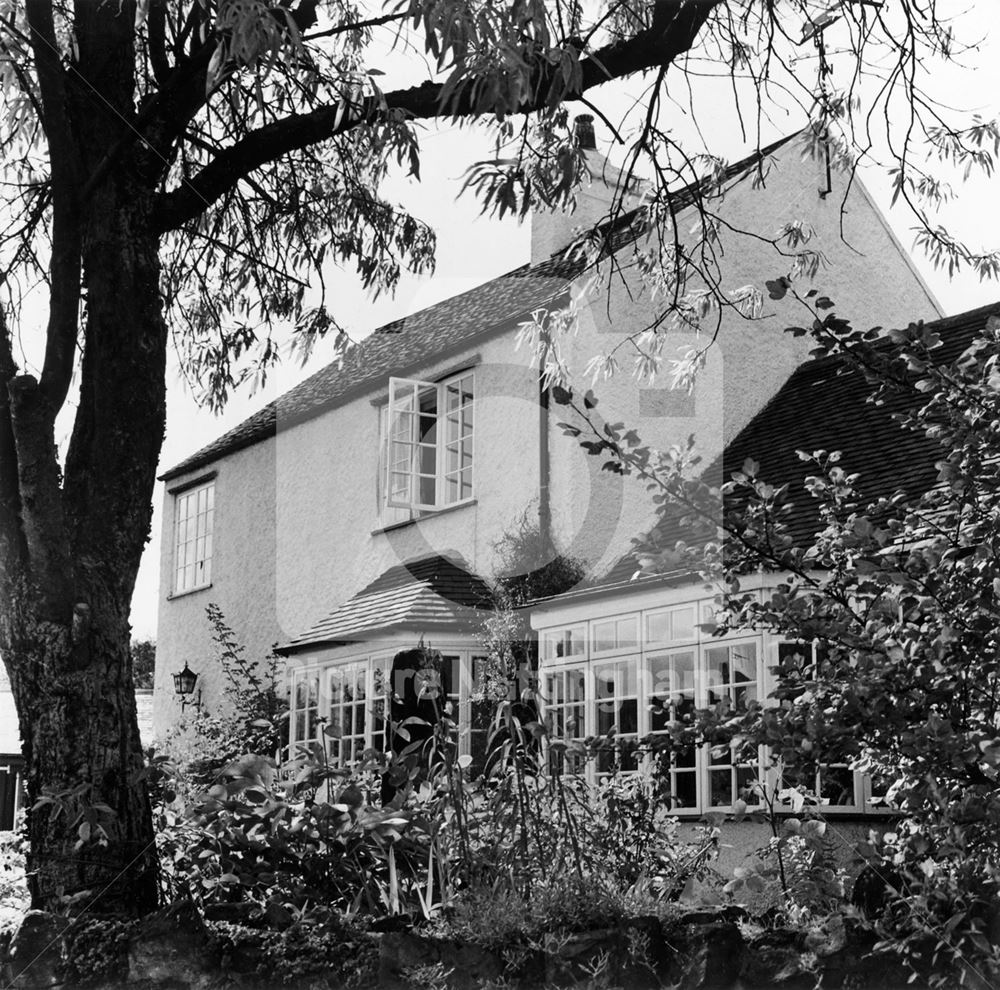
(194, 510)
(427, 443)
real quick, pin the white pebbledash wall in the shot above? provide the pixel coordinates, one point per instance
(869, 277)
(296, 521)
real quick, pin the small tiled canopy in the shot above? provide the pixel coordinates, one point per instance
(426, 595)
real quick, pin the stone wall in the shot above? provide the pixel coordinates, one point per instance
(176, 950)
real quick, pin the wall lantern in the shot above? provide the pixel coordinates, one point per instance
(184, 683)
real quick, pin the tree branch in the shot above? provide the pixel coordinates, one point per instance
(64, 267)
(676, 24)
(41, 509)
(12, 546)
(157, 33)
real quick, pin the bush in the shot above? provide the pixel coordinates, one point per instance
(499, 919)
(290, 856)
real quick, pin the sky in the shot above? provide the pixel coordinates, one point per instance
(473, 249)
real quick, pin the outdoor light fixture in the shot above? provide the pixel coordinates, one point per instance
(184, 683)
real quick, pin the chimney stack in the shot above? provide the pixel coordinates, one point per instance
(583, 127)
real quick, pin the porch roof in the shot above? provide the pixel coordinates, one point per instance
(427, 595)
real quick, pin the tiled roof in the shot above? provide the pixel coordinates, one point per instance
(408, 343)
(425, 595)
(823, 406)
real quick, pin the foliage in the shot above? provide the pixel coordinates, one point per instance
(528, 566)
(800, 862)
(143, 662)
(299, 848)
(502, 919)
(345, 955)
(305, 841)
(13, 882)
(898, 597)
(255, 712)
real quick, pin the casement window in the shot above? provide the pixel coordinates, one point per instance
(345, 705)
(646, 688)
(671, 686)
(194, 510)
(618, 635)
(562, 644)
(305, 705)
(342, 705)
(671, 625)
(834, 786)
(565, 694)
(427, 445)
(732, 676)
(616, 707)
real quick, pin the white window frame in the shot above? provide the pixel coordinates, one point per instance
(651, 643)
(402, 448)
(199, 543)
(373, 663)
(551, 639)
(701, 641)
(862, 803)
(620, 645)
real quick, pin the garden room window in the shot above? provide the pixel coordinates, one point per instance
(640, 675)
(673, 625)
(672, 690)
(344, 706)
(193, 530)
(561, 644)
(565, 693)
(427, 444)
(732, 675)
(615, 635)
(833, 786)
(616, 702)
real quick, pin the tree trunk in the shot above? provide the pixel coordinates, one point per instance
(64, 629)
(91, 838)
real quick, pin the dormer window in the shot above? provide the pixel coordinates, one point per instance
(427, 443)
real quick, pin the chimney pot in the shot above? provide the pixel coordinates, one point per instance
(583, 127)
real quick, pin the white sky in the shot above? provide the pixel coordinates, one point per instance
(472, 250)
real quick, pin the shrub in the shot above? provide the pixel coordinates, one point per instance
(290, 855)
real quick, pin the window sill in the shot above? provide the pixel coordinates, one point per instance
(454, 507)
(188, 591)
(840, 814)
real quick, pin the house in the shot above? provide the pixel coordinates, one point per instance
(360, 513)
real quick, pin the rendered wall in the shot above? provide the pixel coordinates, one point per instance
(297, 525)
(243, 569)
(869, 278)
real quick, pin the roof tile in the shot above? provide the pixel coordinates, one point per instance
(431, 593)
